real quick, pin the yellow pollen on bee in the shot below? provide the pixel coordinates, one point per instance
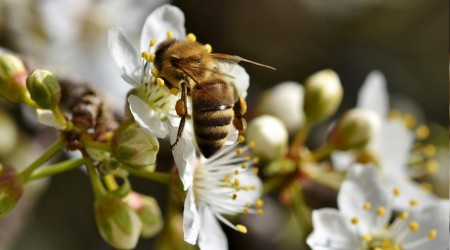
(236, 172)
(169, 35)
(432, 166)
(160, 82)
(245, 211)
(403, 215)
(381, 211)
(239, 151)
(255, 170)
(234, 196)
(227, 178)
(366, 237)
(367, 206)
(396, 191)
(252, 144)
(426, 186)
(259, 211)
(152, 42)
(422, 132)
(191, 37)
(174, 91)
(244, 166)
(432, 234)
(241, 139)
(259, 203)
(429, 150)
(208, 47)
(155, 72)
(241, 228)
(414, 226)
(413, 203)
(255, 159)
(410, 120)
(354, 220)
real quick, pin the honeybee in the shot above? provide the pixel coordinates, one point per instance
(189, 67)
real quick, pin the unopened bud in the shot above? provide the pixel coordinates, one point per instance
(284, 101)
(133, 147)
(44, 88)
(269, 136)
(11, 189)
(13, 76)
(118, 223)
(148, 211)
(355, 129)
(323, 95)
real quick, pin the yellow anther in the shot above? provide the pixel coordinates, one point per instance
(378, 248)
(255, 160)
(381, 211)
(151, 57)
(227, 178)
(236, 172)
(255, 170)
(152, 42)
(247, 158)
(429, 150)
(155, 72)
(414, 226)
(244, 166)
(395, 114)
(386, 244)
(160, 82)
(191, 37)
(241, 139)
(354, 220)
(432, 166)
(413, 202)
(145, 55)
(174, 91)
(251, 144)
(259, 203)
(241, 228)
(169, 35)
(403, 215)
(234, 196)
(396, 191)
(208, 48)
(426, 186)
(237, 182)
(410, 120)
(366, 237)
(259, 211)
(239, 151)
(432, 234)
(422, 132)
(245, 211)
(367, 206)
(247, 204)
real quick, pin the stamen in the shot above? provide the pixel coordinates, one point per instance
(237, 182)
(421, 241)
(432, 234)
(366, 237)
(174, 91)
(396, 191)
(432, 166)
(145, 55)
(255, 159)
(259, 203)
(169, 35)
(245, 211)
(241, 228)
(429, 150)
(410, 120)
(414, 226)
(191, 37)
(236, 172)
(394, 114)
(259, 212)
(367, 206)
(155, 72)
(381, 211)
(152, 42)
(241, 139)
(403, 215)
(227, 178)
(413, 203)
(426, 186)
(208, 47)
(243, 166)
(247, 204)
(354, 220)
(251, 144)
(239, 151)
(422, 132)
(160, 82)
(234, 196)
(255, 170)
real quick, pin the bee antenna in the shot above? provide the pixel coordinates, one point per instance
(237, 59)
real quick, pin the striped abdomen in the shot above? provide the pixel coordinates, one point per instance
(212, 113)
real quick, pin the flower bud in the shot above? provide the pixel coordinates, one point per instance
(11, 189)
(355, 129)
(133, 147)
(284, 101)
(118, 223)
(269, 136)
(148, 211)
(323, 95)
(13, 75)
(44, 88)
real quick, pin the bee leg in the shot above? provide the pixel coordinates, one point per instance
(240, 108)
(181, 109)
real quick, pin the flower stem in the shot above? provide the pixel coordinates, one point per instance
(154, 176)
(322, 152)
(97, 185)
(299, 139)
(49, 153)
(57, 168)
(88, 143)
(58, 115)
(110, 182)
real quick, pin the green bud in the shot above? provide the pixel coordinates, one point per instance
(118, 223)
(11, 189)
(148, 211)
(323, 95)
(44, 88)
(267, 137)
(354, 130)
(13, 75)
(133, 147)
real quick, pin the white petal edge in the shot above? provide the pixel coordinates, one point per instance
(184, 153)
(125, 56)
(147, 118)
(46, 117)
(163, 19)
(331, 231)
(211, 235)
(373, 94)
(191, 219)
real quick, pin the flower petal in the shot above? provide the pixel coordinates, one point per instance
(211, 235)
(331, 231)
(354, 193)
(242, 79)
(342, 160)
(125, 56)
(46, 117)
(146, 117)
(373, 94)
(191, 219)
(163, 19)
